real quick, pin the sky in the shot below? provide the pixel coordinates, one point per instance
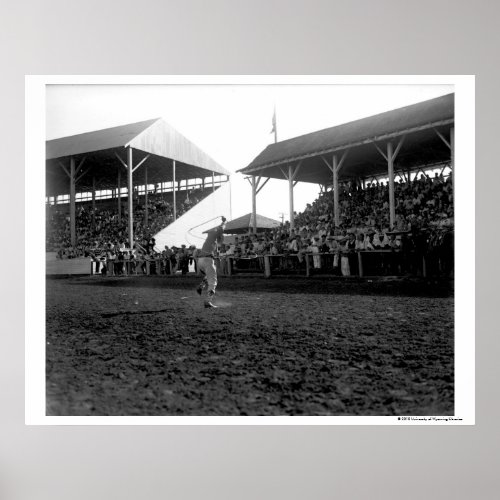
(231, 123)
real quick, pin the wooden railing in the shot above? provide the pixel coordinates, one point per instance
(134, 267)
(359, 263)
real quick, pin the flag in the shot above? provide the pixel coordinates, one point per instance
(274, 122)
(274, 130)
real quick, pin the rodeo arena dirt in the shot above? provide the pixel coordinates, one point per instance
(346, 309)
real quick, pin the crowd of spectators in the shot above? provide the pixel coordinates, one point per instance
(97, 229)
(424, 208)
(145, 257)
(421, 205)
(424, 212)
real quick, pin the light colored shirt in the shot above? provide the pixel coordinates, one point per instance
(292, 246)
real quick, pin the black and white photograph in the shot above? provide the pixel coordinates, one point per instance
(249, 250)
(254, 249)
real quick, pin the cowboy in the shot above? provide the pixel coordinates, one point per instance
(206, 263)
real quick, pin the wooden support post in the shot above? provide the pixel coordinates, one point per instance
(254, 205)
(119, 194)
(336, 207)
(229, 266)
(335, 167)
(130, 198)
(174, 187)
(93, 202)
(360, 264)
(72, 201)
(308, 265)
(452, 151)
(230, 198)
(290, 195)
(390, 171)
(146, 212)
(267, 266)
(390, 156)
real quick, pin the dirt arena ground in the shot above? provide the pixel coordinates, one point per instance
(283, 346)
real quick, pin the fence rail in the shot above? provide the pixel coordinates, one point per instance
(358, 263)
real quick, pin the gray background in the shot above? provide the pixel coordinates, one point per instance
(247, 37)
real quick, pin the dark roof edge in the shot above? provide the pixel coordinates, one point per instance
(152, 120)
(367, 140)
(344, 146)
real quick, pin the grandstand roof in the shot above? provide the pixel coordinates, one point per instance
(99, 148)
(417, 122)
(244, 224)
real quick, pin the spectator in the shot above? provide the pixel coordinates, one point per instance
(315, 251)
(183, 260)
(425, 205)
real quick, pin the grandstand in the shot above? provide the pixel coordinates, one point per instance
(368, 172)
(90, 165)
(321, 338)
(405, 141)
(357, 165)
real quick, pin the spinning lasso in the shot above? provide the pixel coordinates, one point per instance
(202, 224)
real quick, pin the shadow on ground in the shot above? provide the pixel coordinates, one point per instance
(410, 287)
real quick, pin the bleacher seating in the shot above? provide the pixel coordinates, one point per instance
(104, 225)
(362, 244)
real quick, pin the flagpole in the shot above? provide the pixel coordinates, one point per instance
(275, 128)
